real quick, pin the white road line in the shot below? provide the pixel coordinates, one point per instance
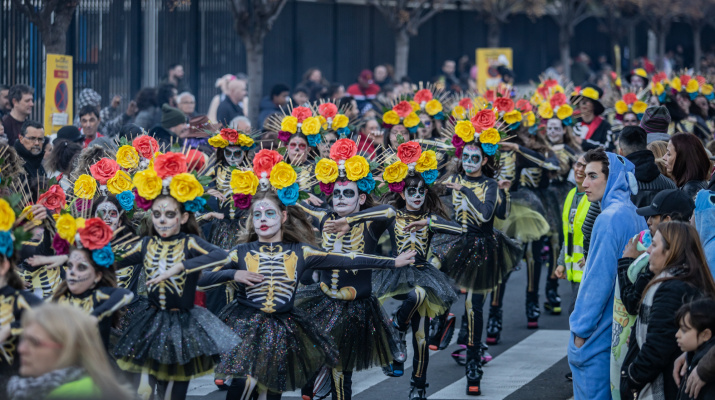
(514, 368)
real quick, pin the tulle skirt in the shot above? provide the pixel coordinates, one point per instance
(526, 221)
(225, 233)
(439, 290)
(283, 351)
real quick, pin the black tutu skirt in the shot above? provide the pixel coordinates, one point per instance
(173, 345)
(361, 329)
(527, 217)
(282, 351)
(440, 294)
(481, 262)
(552, 208)
(224, 233)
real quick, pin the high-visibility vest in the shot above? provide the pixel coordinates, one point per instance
(574, 272)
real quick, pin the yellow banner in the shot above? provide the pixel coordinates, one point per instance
(58, 92)
(488, 59)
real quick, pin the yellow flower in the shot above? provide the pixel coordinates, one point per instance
(85, 187)
(244, 182)
(545, 110)
(459, 112)
(529, 119)
(391, 118)
(427, 161)
(639, 107)
(79, 223)
(218, 142)
(323, 121)
(356, 168)
(707, 89)
(618, 82)
(244, 140)
(185, 187)
(54, 216)
(536, 98)
(433, 107)
(310, 126)
(490, 136)
(692, 86)
(340, 121)
(415, 105)
(127, 157)
(621, 107)
(326, 170)
(7, 215)
(658, 88)
(465, 131)
(589, 92)
(564, 112)
(557, 89)
(411, 120)
(282, 175)
(289, 124)
(512, 117)
(148, 184)
(395, 172)
(66, 227)
(675, 84)
(120, 182)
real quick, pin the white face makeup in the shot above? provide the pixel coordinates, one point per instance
(166, 217)
(234, 155)
(266, 219)
(415, 196)
(109, 213)
(472, 159)
(81, 275)
(555, 131)
(346, 198)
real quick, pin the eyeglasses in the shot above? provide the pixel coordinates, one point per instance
(35, 139)
(301, 146)
(347, 193)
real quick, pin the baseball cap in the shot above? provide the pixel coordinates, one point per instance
(667, 202)
(71, 133)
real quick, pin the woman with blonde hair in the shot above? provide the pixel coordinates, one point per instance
(62, 357)
(659, 148)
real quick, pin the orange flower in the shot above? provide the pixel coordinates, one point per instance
(484, 120)
(103, 170)
(95, 234)
(504, 104)
(409, 152)
(264, 161)
(301, 113)
(343, 149)
(170, 164)
(146, 146)
(423, 95)
(403, 109)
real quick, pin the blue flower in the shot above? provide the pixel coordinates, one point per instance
(248, 148)
(568, 121)
(6, 246)
(439, 116)
(662, 97)
(710, 97)
(366, 184)
(515, 125)
(533, 130)
(195, 205)
(314, 140)
(104, 257)
(694, 95)
(413, 129)
(289, 195)
(126, 200)
(344, 132)
(431, 175)
(489, 149)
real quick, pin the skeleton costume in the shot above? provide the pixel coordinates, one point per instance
(42, 280)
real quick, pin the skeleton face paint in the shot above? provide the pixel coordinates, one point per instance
(234, 155)
(346, 198)
(166, 217)
(415, 196)
(472, 159)
(267, 219)
(109, 214)
(81, 275)
(555, 131)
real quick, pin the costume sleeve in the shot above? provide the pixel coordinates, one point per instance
(561, 260)
(202, 255)
(381, 213)
(319, 259)
(316, 214)
(483, 210)
(131, 254)
(24, 302)
(118, 298)
(507, 170)
(531, 159)
(503, 204)
(440, 225)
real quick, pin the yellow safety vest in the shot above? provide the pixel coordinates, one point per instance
(574, 272)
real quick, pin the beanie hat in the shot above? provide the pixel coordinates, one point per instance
(88, 97)
(656, 119)
(171, 117)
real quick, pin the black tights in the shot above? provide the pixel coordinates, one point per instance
(177, 389)
(246, 389)
(533, 269)
(474, 306)
(408, 312)
(342, 384)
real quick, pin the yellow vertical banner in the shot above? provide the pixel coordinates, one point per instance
(58, 92)
(488, 60)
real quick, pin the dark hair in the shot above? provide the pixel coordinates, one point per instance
(701, 313)
(369, 200)
(87, 110)
(345, 102)
(691, 160)
(633, 138)
(221, 156)
(123, 219)
(301, 89)
(172, 66)
(432, 205)
(4, 86)
(191, 227)
(14, 280)
(146, 98)
(333, 88)
(108, 279)
(276, 90)
(598, 155)
(296, 228)
(62, 156)
(29, 124)
(163, 93)
(17, 91)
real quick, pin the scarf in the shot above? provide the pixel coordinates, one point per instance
(593, 126)
(30, 388)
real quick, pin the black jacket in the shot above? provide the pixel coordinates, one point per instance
(650, 180)
(33, 163)
(594, 210)
(694, 357)
(691, 188)
(631, 292)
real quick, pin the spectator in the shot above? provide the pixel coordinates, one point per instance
(186, 102)
(230, 107)
(222, 86)
(382, 77)
(70, 133)
(681, 274)
(313, 78)
(173, 127)
(687, 163)
(336, 91)
(697, 324)
(581, 72)
(30, 147)
(555, 72)
(198, 135)
(89, 118)
(89, 97)
(349, 106)
(659, 148)
(274, 102)
(301, 96)
(3, 136)
(175, 77)
(591, 130)
(62, 357)
(113, 127)
(4, 101)
(365, 90)
(130, 131)
(21, 103)
(405, 87)
(448, 79)
(705, 224)
(147, 107)
(632, 145)
(61, 161)
(370, 137)
(637, 78)
(241, 124)
(693, 114)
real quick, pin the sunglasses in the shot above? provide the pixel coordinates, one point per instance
(301, 146)
(347, 193)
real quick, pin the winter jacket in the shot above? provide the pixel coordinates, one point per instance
(267, 107)
(650, 180)
(84, 388)
(691, 188)
(164, 137)
(632, 292)
(33, 163)
(148, 118)
(705, 224)
(696, 359)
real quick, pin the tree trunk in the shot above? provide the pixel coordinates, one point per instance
(698, 51)
(493, 32)
(54, 33)
(565, 51)
(254, 67)
(402, 54)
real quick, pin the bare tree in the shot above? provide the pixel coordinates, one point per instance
(659, 17)
(253, 19)
(616, 17)
(405, 18)
(698, 13)
(52, 19)
(497, 12)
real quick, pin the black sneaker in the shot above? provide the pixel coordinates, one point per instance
(494, 325)
(532, 315)
(417, 393)
(553, 302)
(474, 378)
(442, 332)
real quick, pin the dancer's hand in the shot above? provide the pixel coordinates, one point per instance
(4, 333)
(215, 193)
(559, 272)
(508, 146)
(247, 278)
(406, 258)
(680, 367)
(417, 225)
(313, 200)
(213, 215)
(454, 185)
(694, 384)
(578, 342)
(631, 250)
(176, 269)
(504, 184)
(339, 226)
(51, 262)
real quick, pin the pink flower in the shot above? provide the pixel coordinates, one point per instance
(284, 136)
(327, 188)
(141, 202)
(242, 201)
(457, 141)
(397, 187)
(60, 245)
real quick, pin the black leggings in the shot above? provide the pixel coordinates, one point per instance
(409, 312)
(243, 389)
(474, 306)
(178, 388)
(342, 384)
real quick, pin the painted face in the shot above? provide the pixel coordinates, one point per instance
(689, 339)
(234, 155)
(346, 198)
(579, 170)
(658, 254)
(81, 275)
(595, 182)
(555, 131)
(395, 131)
(472, 159)
(166, 217)
(637, 81)
(415, 196)
(39, 354)
(669, 158)
(329, 140)
(266, 219)
(630, 119)
(297, 149)
(109, 214)
(373, 131)
(585, 106)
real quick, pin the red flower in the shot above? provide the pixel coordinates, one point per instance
(170, 164)
(659, 77)
(403, 109)
(327, 188)
(490, 96)
(103, 170)
(701, 80)
(146, 146)
(230, 135)
(264, 161)
(242, 201)
(343, 149)
(523, 105)
(630, 98)
(543, 92)
(423, 95)
(409, 152)
(284, 136)
(141, 202)
(684, 79)
(54, 198)
(301, 113)
(195, 160)
(95, 234)
(550, 83)
(466, 103)
(504, 104)
(397, 187)
(484, 120)
(457, 142)
(557, 100)
(328, 110)
(60, 245)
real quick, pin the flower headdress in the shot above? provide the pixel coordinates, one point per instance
(406, 111)
(11, 237)
(630, 102)
(411, 159)
(92, 234)
(312, 121)
(344, 162)
(591, 92)
(551, 101)
(169, 174)
(657, 86)
(693, 85)
(481, 121)
(231, 137)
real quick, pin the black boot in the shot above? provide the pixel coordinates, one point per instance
(553, 302)
(532, 314)
(494, 325)
(474, 377)
(441, 331)
(418, 391)
(397, 367)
